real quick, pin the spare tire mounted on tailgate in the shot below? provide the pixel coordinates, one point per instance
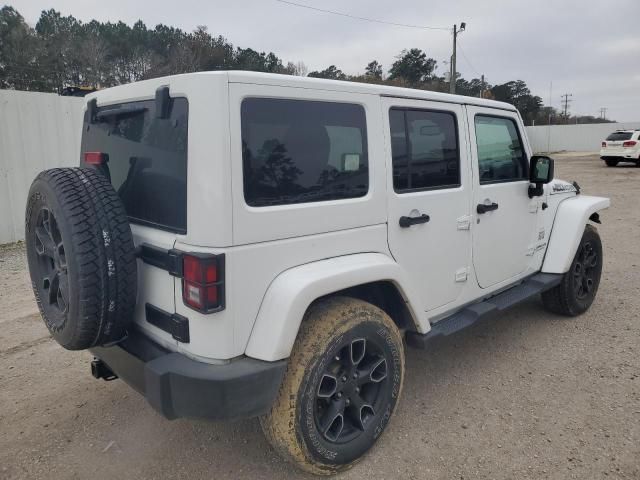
(81, 257)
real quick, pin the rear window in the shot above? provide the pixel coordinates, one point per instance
(618, 136)
(297, 151)
(147, 162)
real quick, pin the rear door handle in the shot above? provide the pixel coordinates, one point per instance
(484, 208)
(406, 222)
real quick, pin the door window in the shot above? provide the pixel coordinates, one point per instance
(501, 154)
(424, 146)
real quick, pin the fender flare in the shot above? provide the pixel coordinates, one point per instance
(568, 226)
(290, 294)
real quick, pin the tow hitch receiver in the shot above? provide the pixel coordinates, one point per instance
(99, 369)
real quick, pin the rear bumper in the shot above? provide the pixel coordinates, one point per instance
(177, 386)
(621, 156)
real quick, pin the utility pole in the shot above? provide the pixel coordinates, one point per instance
(566, 100)
(452, 80)
(482, 86)
(603, 113)
(550, 112)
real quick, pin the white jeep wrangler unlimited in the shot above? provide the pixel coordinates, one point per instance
(238, 244)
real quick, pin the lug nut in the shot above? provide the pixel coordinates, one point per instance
(344, 379)
(347, 402)
(355, 375)
(357, 389)
(337, 358)
(339, 395)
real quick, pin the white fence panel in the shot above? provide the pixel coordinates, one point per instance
(37, 131)
(575, 138)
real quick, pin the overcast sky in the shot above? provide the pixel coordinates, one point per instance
(588, 48)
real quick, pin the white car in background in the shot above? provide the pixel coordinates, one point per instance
(621, 146)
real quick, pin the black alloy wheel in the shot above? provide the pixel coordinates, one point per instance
(585, 270)
(52, 279)
(351, 390)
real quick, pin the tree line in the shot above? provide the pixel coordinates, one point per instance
(63, 51)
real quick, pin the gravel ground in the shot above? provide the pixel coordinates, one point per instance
(525, 395)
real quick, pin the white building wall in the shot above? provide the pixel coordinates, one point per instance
(37, 131)
(575, 138)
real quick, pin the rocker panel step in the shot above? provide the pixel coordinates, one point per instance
(469, 315)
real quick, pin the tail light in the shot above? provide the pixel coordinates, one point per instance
(95, 158)
(203, 282)
(629, 143)
(604, 144)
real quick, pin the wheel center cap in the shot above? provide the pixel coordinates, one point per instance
(350, 384)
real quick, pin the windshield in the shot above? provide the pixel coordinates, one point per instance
(147, 159)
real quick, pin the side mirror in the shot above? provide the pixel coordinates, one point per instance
(540, 172)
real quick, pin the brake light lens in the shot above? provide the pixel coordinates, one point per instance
(604, 144)
(95, 158)
(203, 282)
(629, 143)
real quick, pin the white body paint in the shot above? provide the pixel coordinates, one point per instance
(279, 259)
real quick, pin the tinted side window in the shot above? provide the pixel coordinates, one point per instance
(501, 155)
(297, 151)
(424, 146)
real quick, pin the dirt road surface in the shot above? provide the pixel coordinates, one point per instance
(527, 395)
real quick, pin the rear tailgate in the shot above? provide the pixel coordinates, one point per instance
(155, 285)
(144, 154)
(615, 143)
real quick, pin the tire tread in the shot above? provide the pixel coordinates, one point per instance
(90, 206)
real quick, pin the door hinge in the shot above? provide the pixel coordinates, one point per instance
(169, 260)
(464, 222)
(462, 274)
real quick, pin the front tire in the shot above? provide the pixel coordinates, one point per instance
(342, 385)
(579, 285)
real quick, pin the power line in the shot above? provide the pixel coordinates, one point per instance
(468, 61)
(423, 27)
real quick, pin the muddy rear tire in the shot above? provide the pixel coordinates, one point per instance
(81, 257)
(343, 381)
